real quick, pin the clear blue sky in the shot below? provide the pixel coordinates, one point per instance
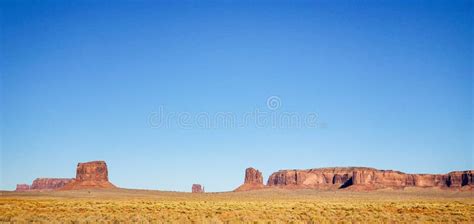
(392, 81)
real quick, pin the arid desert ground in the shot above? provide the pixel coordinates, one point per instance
(260, 206)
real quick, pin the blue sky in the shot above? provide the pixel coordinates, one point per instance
(391, 81)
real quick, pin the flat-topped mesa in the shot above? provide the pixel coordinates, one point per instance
(364, 178)
(90, 175)
(49, 183)
(22, 187)
(253, 180)
(197, 188)
(92, 171)
(321, 178)
(396, 179)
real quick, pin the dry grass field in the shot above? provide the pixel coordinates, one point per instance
(274, 206)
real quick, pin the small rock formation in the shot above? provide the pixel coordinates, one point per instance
(197, 188)
(49, 183)
(22, 187)
(253, 180)
(90, 175)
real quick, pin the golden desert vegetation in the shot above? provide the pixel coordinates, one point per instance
(265, 206)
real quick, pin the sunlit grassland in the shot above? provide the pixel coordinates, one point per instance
(260, 206)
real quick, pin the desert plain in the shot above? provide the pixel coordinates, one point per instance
(410, 205)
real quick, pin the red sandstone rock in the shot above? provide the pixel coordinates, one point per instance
(92, 171)
(253, 180)
(253, 176)
(387, 178)
(49, 183)
(460, 178)
(22, 187)
(90, 175)
(197, 188)
(322, 178)
(468, 178)
(396, 179)
(363, 178)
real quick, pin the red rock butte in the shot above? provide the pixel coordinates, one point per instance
(90, 175)
(356, 178)
(253, 180)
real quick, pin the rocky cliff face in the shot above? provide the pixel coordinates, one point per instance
(92, 171)
(253, 180)
(22, 187)
(197, 188)
(323, 178)
(460, 178)
(253, 176)
(90, 175)
(373, 178)
(395, 179)
(49, 183)
(363, 178)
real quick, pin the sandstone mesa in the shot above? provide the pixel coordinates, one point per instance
(40, 184)
(88, 175)
(94, 175)
(362, 179)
